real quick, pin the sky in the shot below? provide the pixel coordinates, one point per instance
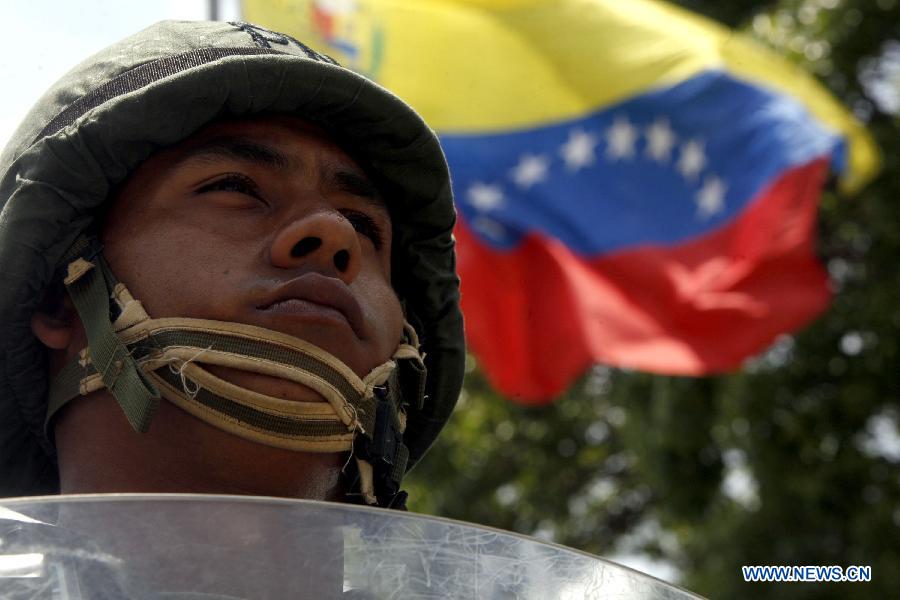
(43, 39)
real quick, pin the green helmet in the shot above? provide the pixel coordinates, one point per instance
(149, 92)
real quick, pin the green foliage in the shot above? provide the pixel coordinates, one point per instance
(772, 465)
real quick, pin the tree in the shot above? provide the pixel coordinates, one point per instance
(794, 460)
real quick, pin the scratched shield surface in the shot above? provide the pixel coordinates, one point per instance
(228, 547)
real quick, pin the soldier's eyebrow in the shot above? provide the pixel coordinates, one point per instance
(358, 185)
(237, 148)
(339, 176)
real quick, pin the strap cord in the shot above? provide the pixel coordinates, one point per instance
(86, 283)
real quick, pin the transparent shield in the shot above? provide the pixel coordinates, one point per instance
(226, 547)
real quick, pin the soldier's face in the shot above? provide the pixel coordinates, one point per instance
(265, 222)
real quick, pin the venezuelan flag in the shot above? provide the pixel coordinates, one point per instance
(636, 185)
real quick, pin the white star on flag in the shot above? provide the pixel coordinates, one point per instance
(711, 197)
(484, 196)
(578, 151)
(532, 169)
(660, 139)
(692, 160)
(621, 137)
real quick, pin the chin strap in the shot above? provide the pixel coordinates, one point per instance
(138, 359)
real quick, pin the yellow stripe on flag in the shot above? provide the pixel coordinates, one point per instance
(496, 65)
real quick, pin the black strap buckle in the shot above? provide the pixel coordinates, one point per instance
(385, 451)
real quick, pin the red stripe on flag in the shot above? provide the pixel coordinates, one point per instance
(537, 317)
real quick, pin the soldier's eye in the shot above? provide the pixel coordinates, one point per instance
(233, 182)
(365, 225)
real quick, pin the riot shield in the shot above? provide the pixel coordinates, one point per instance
(235, 547)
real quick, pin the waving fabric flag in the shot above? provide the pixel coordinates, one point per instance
(637, 185)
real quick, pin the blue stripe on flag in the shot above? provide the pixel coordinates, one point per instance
(660, 168)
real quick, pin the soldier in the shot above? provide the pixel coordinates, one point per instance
(226, 265)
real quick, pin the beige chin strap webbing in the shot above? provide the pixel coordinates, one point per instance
(138, 359)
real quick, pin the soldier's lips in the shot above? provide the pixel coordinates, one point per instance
(316, 298)
(305, 310)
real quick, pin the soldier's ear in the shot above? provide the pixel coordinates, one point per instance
(57, 329)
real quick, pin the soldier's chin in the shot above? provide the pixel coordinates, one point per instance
(264, 384)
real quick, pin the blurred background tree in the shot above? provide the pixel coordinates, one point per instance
(792, 461)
